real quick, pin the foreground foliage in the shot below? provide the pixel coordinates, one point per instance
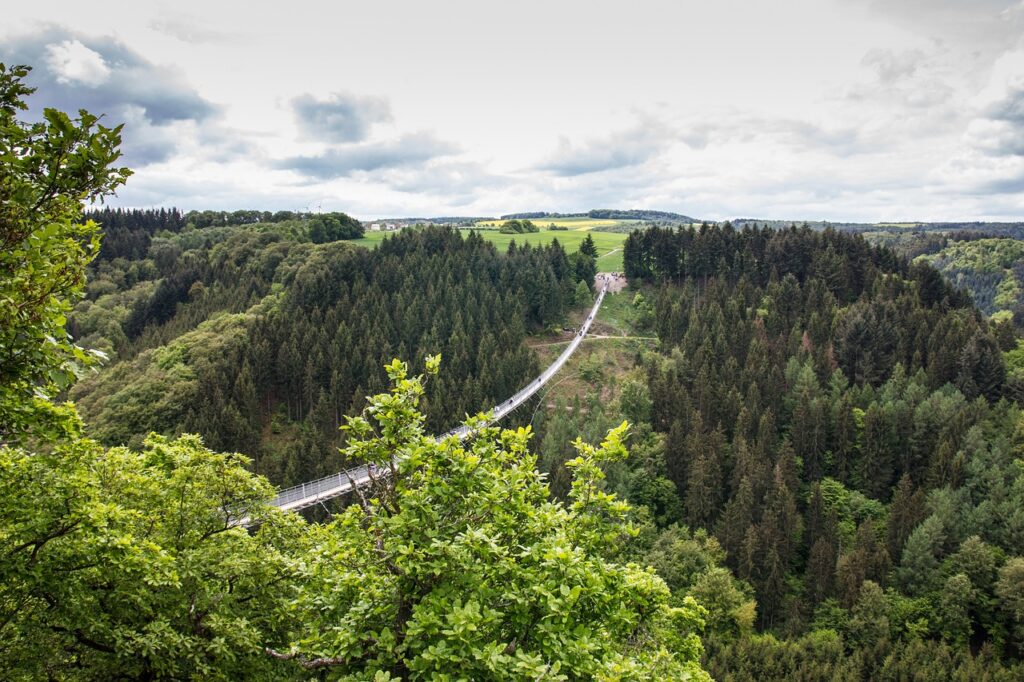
(130, 565)
(138, 564)
(47, 169)
(455, 565)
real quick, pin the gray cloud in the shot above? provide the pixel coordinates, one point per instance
(1008, 185)
(72, 72)
(189, 30)
(143, 142)
(991, 160)
(804, 135)
(160, 188)
(997, 139)
(342, 117)
(452, 182)
(841, 141)
(990, 24)
(444, 178)
(646, 142)
(119, 77)
(920, 80)
(999, 131)
(623, 149)
(892, 66)
(345, 160)
(220, 143)
(795, 133)
(1010, 108)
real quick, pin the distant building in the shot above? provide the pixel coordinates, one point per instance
(374, 227)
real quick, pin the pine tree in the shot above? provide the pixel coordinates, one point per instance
(875, 466)
(905, 513)
(821, 568)
(703, 489)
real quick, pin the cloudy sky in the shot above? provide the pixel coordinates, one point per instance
(806, 109)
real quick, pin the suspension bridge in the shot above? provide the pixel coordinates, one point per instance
(323, 489)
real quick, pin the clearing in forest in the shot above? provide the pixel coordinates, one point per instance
(609, 244)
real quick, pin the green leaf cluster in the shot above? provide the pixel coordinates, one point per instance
(47, 170)
(133, 565)
(457, 565)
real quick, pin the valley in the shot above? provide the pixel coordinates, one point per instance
(293, 432)
(779, 423)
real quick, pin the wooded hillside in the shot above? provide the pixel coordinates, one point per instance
(842, 423)
(261, 341)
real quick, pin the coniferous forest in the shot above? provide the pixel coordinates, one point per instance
(840, 433)
(261, 341)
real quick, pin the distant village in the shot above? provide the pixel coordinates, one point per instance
(398, 223)
(383, 227)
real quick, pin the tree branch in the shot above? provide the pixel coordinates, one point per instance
(82, 638)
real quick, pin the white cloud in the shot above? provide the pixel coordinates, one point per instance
(73, 62)
(989, 160)
(161, 112)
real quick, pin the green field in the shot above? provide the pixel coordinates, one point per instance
(582, 223)
(609, 244)
(610, 260)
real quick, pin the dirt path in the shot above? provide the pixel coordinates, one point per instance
(613, 281)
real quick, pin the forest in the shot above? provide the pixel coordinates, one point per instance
(609, 213)
(518, 227)
(990, 268)
(825, 448)
(838, 433)
(261, 340)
